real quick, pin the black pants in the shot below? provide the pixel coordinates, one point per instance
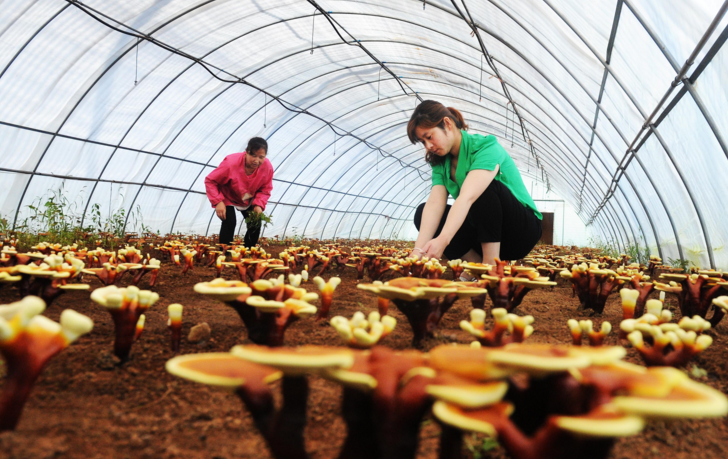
(227, 230)
(496, 216)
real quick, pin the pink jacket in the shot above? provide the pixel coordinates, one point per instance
(229, 183)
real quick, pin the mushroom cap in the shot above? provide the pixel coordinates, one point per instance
(685, 399)
(75, 287)
(41, 271)
(219, 369)
(467, 361)
(477, 268)
(222, 289)
(469, 396)
(130, 266)
(603, 422)
(601, 355)
(299, 360)
(472, 421)
(6, 278)
(357, 376)
(413, 288)
(539, 358)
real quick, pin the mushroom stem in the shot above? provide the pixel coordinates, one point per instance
(382, 306)
(282, 430)
(291, 421)
(27, 342)
(18, 385)
(357, 408)
(175, 325)
(424, 315)
(451, 442)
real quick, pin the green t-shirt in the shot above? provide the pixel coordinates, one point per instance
(478, 152)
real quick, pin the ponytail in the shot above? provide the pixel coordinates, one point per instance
(430, 114)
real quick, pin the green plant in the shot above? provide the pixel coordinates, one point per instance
(680, 263)
(479, 445)
(55, 218)
(255, 219)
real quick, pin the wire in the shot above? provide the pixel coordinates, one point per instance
(215, 71)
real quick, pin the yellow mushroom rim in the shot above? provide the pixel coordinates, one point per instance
(601, 355)
(477, 268)
(721, 302)
(219, 369)
(75, 287)
(541, 358)
(469, 396)
(38, 271)
(467, 361)
(6, 278)
(297, 361)
(606, 423)
(653, 383)
(455, 416)
(222, 289)
(412, 288)
(686, 399)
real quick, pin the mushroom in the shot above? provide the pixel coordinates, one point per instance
(592, 285)
(695, 294)
(266, 308)
(152, 266)
(248, 380)
(27, 342)
(175, 325)
(595, 338)
(457, 268)
(507, 289)
(189, 256)
(125, 305)
(672, 348)
(327, 294)
(284, 430)
(48, 280)
(361, 333)
(518, 328)
(422, 301)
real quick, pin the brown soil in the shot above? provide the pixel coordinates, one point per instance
(83, 406)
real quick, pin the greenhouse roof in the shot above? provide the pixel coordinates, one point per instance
(613, 104)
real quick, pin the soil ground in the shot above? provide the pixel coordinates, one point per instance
(83, 406)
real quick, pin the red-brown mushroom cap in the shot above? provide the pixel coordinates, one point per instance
(297, 361)
(220, 369)
(468, 362)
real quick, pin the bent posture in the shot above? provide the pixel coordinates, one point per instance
(243, 181)
(493, 215)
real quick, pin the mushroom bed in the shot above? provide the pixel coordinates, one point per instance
(85, 406)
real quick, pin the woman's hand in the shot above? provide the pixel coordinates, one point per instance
(257, 209)
(435, 248)
(220, 210)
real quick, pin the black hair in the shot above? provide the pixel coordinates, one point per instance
(255, 144)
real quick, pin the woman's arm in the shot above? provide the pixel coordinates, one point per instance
(475, 183)
(431, 215)
(212, 187)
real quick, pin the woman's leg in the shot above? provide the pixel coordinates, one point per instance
(500, 218)
(461, 245)
(227, 229)
(251, 235)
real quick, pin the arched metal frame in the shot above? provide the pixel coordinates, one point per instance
(607, 70)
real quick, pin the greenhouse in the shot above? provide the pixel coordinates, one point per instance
(520, 199)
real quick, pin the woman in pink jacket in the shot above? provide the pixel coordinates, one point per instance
(243, 181)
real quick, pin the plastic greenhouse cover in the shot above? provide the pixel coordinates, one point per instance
(131, 104)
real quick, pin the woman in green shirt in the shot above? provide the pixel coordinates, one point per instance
(493, 215)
